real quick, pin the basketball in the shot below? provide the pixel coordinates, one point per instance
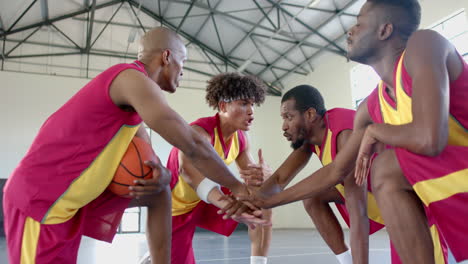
(132, 166)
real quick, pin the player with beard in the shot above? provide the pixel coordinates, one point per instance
(312, 129)
(419, 112)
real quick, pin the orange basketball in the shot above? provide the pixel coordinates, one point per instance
(132, 166)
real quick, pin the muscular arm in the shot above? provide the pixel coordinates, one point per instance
(428, 59)
(134, 89)
(356, 203)
(328, 176)
(193, 176)
(295, 162)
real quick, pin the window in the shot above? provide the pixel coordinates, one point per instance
(455, 28)
(131, 221)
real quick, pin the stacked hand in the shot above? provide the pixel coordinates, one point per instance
(256, 174)
(246, 208)
(242, 212)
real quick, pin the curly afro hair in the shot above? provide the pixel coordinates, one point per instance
(233, 86)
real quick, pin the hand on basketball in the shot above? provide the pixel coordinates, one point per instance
(363, 161)
(256, 174)
(161, 178)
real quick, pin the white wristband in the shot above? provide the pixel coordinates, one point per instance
(205, 187)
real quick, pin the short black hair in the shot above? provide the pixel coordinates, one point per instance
(405, 15)
(233, 86)
(306, 97)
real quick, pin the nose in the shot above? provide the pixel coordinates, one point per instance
(250, 109)
(285, 126)
(350, 31)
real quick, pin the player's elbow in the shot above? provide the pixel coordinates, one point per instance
(197, 149)
(433, 144)
(338, 173)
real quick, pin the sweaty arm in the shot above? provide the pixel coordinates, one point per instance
(356, 203)
(427, 59)
(133, 88)
(327, 176)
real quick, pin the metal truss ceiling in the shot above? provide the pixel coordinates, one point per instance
(272, 39)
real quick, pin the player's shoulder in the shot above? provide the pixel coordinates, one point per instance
(426, 40)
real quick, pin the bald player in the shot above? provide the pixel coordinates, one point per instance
(58, 192)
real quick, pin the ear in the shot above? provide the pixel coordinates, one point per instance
(165, 56)
(222, 106)
(385, 31)
(311, 114)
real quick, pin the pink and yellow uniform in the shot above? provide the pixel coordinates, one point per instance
(58, 192)
(188, 211)
(441, 182)
(337, 120)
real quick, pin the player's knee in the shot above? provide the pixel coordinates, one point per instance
(312, 205)
(385, 172)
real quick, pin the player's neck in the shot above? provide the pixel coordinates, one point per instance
(385, 64)
(317, 132)
(227, 129)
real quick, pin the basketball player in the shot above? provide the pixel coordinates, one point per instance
(58, 192)
(419, 112)
(195, 198)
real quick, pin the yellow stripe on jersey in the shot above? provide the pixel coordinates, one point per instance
(94, 180)
(184, 197)
(458, 135)
(373, 211)
(438, 252)
(30, 240)
(438, 189)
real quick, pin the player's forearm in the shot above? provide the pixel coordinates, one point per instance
(159, 228)
(271, 186)
(286, 172)
(207, 161)
(311, 186)
(214, 198)
(406, 136)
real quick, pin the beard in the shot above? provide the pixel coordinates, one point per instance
(297, 144)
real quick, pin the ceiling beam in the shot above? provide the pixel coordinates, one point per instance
(247, 35)
(22, 41)
(185, 15)
(202, 25)
(59, 18)
(107, 24)
(21, 16)
(304, 61)
(272, 90)
(89, 29)
(66, 36)
(45, 10)
(319, 9)
(314, 31)
(138, 17)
